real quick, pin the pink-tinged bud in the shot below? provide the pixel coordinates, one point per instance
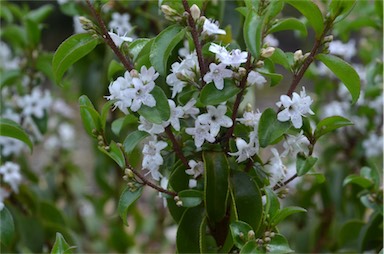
(195, 12)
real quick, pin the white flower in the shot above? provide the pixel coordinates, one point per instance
(149, 127)
(148, 76)
(196, 168)
(140, 94)
(335, 108)
(119, 91)
(176, 114)
(245, 151)
(212, 27)
(3, 195)
(255, 78)
(236, 57)
(373, 146)
(200, 133)
(11, 146)
(164, 184)
(250, 118)
(119, 39)
(218, 50)
(192, 183)
(190, 109)
(296, 144)
(67, 135)
(215, 118)
(9, 114)
(294, 108)
(120, 23)
(345, 50)
(270, 40)
(11, 174)
(7, 60)
(152, 159)
(36, 103)
(184, 52)
(217, 73)
(275, 168)
(59, 106)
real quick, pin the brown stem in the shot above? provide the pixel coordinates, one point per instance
(127, 64)
(278, 186)
(176, 146)
(195, 37)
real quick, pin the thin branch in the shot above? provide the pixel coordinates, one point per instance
(107, 38)
(195, 37)
(278, 186)
(176, 146)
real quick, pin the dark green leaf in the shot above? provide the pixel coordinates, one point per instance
(253, 29)
(159, 113)
(371, 234)
(285, 212)
(104, 113)
(89, 116)
(304, 164)
(216, 176)
(127, 198)
(61, 246)
(339, 9)
(133, 139)
(9, 128)
(348, 234)
(143, 58)
(50, 213)
(115, 153)
(188, 232)
(70, 51)
(312, 12)
(247, 198)
(207, 242)
(274, 8)
(33, 32)
(136, 46)
(289, 24)
(272, 203)
(211, 96)
(163, 45)
(279, 57)
(329, 124)
(359, 180)
(345, 72)
(239, 231)
(7, 227)
(279, 244)
(40, 14)
(191, 198)
(251, 247)
(270, 128)
(44, 64)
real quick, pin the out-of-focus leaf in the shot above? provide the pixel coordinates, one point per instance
(251, 247)
(61, 246)
(40, 14)
(304, 164)
(7, 227)
(285, 212)
(127, 198)
(289, 24)
(115, 69)
(359, 180)
(339, 9)
(9, 128)
(329, 124)
(89, 116)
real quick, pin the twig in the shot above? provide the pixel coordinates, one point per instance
(176, 146)
(107, 38)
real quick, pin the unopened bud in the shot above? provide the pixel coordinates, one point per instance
(328, 38)
(195, 12)
(260, 64)
(107, 148)
(267, 239)
(272, 234)
(251, 235)
(128, 172)
(134, 73)
(100, 143)
(267, 233)
(298, 55)
(306, 55)
(241, 235)
(248, 107)
(86, 24)
(125, 177)
(100, 138)
(179, 203)
(170, 14)
(267, 52)
(242, 71)
(176, 198)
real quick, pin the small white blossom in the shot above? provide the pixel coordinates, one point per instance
(255, 78)
(192, 183)
(200, 133)
(196, 168)
(217, 73)
(11, 146)
(270, 40)
(152, 159)
(119, 91)
(7, 60)
(119, 39)
(11, 174)
(149, 127)
(148, 76)
(140, 94)
(250, 118)
(275, 168)
(36, 103)
(235, 58)
(294, 108)
(373, 146)
(245, 151)
(335, 108)
(215, 118)
(212, 27)
(120, 23)
(177, 112)
(296, 144)
(3, 195)
(345, 50)
(164, 184)
(190, 109)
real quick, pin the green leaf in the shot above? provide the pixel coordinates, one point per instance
(104, 113)
(370, 236)
(272, 204)
(251, 247)
(239, 231)
(312, 12)
(274, 8)
(359, 180)
(274, 78)
(89, 116)
(216, 176)
(329, 124)
(345, 72)
(33, 32)
(115, 69)
(9, 128)
(159, 113)
(191, 198)
(115, 153)
(279, 57)
(163, 45)
(133, 139)
(127, 198)
(285, 212)
(136, 46)
(40, 14)
(61, 246)
(50, 213)
(70, 51)
(270, 128)
(339, 9)
(210, 95)
(7, 227)
(247, 196)
(348, 234)
(44, 64)
(188, 232)
(207, 242)
(143, 57)
(279, 244)
(9, 77)
(253, 29)
(304, 164)
(289, 24)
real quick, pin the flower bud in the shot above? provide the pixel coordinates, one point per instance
(242, 71)
(176, 198)
(86, 24)
(267, 52)
(267, 233)
(179, 203)
(195, 12)
(306, 55)
(260, 64)
(267, 239)
(328, 38)
(298, 55)
(134, 73)
(251, 235)
(241, 235)
(272, 234)
(248, 107)
(170, 14)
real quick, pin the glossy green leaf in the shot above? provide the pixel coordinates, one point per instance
(160, 112)
(285, 212)
(188, 232)
(329, 124)
(115, 69)
(136, 46)
(191, 198)
(70, 51)
(289, 24)
(312, 12)
(133, 139)
(121, 123)
(274, 8)
(127, 198)
(251, 247)
(89, 116)
(304, 164)
(61, 246)
(210, 95)
(105, 111)
(270, 128)
(247, 196)
(274, 78)
(253, 29)
(9, 128)
(239, 231)
(359, 180)
(207, 242)
(339, 9)
(345, 72)
(279, 244)
(143, 57)
(33, 32)
(163, 45)
(372, 174)
(7, 227)
(279, 57)
(216, 176)
(115, 153)
(272, 204)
